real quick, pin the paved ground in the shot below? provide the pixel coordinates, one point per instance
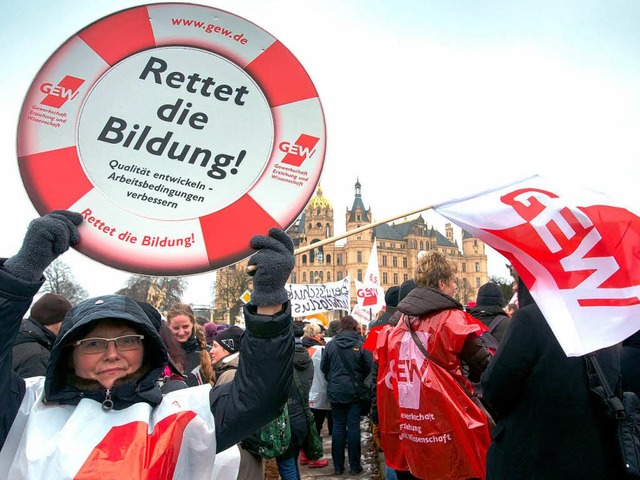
(369, 459)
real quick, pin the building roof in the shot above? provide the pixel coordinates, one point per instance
(399, 231)
(319, 200)
(358, 204)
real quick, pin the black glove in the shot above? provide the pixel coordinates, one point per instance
(46, 238)
(273, 264)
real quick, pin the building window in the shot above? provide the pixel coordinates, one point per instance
(304, 277)
(405, 262)
(394, 261)
(405, 277)
(385, 278)
(358, 256)
(359, 275)
(328, 276)
(312, 277)
(477, 266)
(294, 277)
(477, 281)
(475, 243)
(304, 259)
(384, 260)
(328, 259)
(339, 259)
(464, 267)
(339, 274)
(395, 279)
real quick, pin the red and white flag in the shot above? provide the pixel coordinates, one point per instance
(369, 294)
(577, 251)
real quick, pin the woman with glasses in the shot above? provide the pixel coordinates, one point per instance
(99, 411)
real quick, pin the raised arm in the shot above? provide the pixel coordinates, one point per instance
(20, 279)
(260, 387)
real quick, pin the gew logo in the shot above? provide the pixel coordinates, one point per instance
(57, 95)
(298, 152)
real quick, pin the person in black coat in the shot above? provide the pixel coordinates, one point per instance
(345, 365)
(303, 370)
(488, 310)
(630, 364)
(549, 424)
(32, 347)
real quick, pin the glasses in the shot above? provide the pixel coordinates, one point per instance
(99, 345)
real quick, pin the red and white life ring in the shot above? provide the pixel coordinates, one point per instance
(178, 131)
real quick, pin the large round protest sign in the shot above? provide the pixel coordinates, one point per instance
(178, 131)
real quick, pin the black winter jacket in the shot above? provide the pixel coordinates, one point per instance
(240, 407)
(487, 314)
(339, 367)
(32, 349)
(303, 367)
(549, 425)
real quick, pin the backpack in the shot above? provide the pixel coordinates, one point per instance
(271, 440)
(488, 340)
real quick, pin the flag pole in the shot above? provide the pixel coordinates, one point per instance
(369, 226)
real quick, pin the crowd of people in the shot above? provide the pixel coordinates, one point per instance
(480, 391)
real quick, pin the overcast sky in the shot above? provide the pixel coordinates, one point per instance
(423, 100)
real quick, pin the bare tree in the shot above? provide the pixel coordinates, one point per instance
(506, 286)
(60, 280)
(161, 292)
(231, 282)
(465, 293)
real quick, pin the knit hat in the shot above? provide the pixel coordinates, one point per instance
(391, 296)
(490, 295)
(230, 339)
(210, 331)
(50, 309)
(405, 288)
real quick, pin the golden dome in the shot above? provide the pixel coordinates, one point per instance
(319, 200)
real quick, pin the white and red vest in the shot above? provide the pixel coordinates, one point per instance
(175, 440)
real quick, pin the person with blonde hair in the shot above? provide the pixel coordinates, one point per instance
(425, 411)
(182, 321)
(312, 336)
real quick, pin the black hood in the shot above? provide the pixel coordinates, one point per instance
(301, 358)
(32, 332)
(427, 300)
(78, 321)
(347, 339)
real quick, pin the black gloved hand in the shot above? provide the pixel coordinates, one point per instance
(273, 264)
(46, 238)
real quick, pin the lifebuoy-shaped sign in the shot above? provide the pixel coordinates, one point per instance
(178, 131)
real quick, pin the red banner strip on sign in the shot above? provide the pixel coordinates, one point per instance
(55, 179)
(119, 36)
(222, 230)
(281, 77)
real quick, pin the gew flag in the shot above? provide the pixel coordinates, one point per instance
(577, 251)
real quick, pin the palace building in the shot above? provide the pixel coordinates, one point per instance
(398, 245)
